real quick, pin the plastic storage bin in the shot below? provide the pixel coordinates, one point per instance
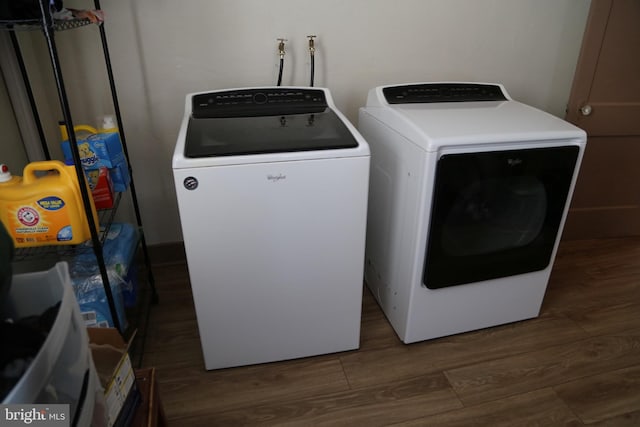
(62, 372)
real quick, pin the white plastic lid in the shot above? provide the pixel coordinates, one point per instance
(108, 122)
(5, 174)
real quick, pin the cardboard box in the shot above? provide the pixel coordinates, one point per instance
(101, 187)
(100, 149)
(120, 176)
(112, 362)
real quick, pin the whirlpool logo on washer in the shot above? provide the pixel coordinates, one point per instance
(276, 178)
(190, 183)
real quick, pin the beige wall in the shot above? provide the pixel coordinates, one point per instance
(162, 50)
(11, 150)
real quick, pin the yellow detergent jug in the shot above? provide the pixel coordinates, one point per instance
(45, 206)
(6, 177)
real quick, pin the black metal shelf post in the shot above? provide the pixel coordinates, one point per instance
(32, 101)
(48, 26)
(49, 34)
(123, 139)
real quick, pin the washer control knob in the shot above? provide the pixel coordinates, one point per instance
(586, 110)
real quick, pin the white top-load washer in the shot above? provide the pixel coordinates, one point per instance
(272, 191)
(469, 191)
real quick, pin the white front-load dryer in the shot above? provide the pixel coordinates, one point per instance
(272, 191)
(469, 191)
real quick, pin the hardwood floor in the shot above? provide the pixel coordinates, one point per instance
(577, 364)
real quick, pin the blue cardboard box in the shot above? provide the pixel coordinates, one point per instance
(96, 150)
(102, 150)
(120, 177)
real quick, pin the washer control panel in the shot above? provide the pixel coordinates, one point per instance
(258, 102)
(442, 92)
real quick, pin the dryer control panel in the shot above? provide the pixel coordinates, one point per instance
(442, 92)
(258, 102)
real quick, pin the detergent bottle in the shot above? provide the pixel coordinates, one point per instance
(119, 169)
(108, 125)
(45, 206)
(6, 178)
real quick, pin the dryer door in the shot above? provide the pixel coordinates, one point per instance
(496, 214)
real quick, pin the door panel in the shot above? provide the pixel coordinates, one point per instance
(606, 202)
(616, 75)
(611, 120)
(607, 180)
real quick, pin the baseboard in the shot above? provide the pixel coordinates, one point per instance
(167, 253)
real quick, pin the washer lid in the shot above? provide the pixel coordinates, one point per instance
(232, 136)
(480, 122)
(432, 115)
(266, 124)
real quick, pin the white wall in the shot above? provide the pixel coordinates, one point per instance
(162, 50)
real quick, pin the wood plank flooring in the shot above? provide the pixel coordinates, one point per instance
(577, 364)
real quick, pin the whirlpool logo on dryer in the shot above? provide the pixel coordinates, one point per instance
(276, 178)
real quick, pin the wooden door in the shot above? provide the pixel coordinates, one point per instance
(605, 102)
